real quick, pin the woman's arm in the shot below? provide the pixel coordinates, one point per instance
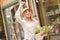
(17, 15)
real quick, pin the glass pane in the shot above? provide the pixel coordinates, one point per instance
(7, 12)
(11, 25)
(52, 9)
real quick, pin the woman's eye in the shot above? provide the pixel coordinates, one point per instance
(26, 12)
(29, 11)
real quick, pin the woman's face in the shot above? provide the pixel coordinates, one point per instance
(28, 14)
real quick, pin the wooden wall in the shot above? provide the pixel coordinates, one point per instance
(50, 3)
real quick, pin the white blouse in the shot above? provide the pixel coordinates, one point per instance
(28, 27)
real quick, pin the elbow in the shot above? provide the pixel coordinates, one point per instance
(15, 16)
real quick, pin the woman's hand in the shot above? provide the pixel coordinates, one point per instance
(22, 3)
(20, 6)
(44, 34)
(38, 36)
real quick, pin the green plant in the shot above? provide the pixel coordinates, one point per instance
(41, 29)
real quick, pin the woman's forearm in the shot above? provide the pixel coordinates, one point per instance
(21, 4)
(17, 15)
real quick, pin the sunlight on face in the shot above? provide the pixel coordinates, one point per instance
(28, 13)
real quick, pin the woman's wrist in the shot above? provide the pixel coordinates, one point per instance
(44, 34)
(22, 3)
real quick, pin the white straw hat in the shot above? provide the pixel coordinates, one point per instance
(25, 9)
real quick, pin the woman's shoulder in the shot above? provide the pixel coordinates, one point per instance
(35, 20)
(23, 20)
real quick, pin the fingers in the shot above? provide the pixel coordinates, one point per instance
(44, 33)
(22, 3)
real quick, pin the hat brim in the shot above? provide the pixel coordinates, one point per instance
(26, 9)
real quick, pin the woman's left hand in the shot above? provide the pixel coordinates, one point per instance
(38, 36)
(44, 34)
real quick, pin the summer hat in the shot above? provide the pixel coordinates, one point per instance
(26, 9)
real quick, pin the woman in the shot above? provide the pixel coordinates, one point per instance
(28, 22)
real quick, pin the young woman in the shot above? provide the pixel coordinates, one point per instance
(28, 22)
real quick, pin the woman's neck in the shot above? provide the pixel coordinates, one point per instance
(29, 19)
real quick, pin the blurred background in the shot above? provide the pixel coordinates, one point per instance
(46, 11)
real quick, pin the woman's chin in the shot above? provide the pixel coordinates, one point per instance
(28, 16)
